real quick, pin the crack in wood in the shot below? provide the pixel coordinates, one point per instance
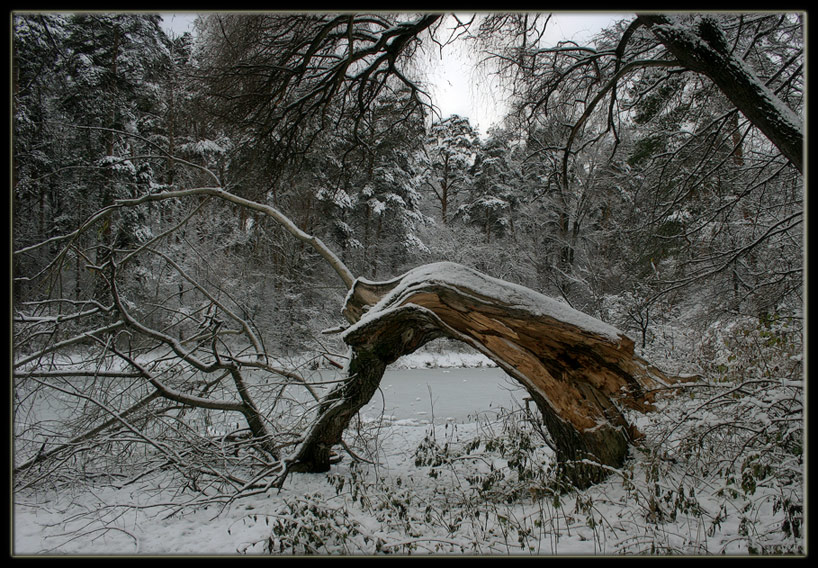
(577, 377)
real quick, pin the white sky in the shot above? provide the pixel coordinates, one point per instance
(177, 23)
(456, 88)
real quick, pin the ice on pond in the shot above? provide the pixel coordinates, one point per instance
(440, 394)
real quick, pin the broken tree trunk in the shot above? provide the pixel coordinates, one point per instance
(579, 370)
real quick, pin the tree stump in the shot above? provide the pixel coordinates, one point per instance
(578, 370)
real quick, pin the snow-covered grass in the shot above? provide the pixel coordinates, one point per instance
(720, 471)
(476, 488)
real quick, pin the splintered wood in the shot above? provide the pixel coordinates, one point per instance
(579, 370)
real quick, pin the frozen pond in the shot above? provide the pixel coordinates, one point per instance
(443, 394)
(417, 394)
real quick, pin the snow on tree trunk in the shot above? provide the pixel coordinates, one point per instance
(579, 370)
(704, 50)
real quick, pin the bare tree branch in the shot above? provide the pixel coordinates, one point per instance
(704, 51)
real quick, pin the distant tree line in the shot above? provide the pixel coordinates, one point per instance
(622, 179)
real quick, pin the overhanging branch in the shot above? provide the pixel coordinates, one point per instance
(317, 244)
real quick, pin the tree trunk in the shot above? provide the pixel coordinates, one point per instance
(705, 51)
(578, 370)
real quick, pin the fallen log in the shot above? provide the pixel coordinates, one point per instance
(579, 370)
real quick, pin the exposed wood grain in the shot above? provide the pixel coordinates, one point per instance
(580, 379)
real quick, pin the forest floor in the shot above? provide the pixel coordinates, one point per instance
(448, 480)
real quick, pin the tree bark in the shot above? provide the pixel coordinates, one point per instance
(579, 371)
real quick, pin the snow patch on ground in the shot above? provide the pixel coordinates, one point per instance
(397, 506)
(426, 359)
(431, 490)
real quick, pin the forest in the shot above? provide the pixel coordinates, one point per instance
(224, 241)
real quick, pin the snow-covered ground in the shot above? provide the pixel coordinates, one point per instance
(455, 475)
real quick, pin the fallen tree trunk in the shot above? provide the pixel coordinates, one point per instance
(579, 370)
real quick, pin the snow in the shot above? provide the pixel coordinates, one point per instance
(204, 147)
(376, 206)
(516, 296)
(492, 202)
(456, 479)
(338, 197)
(458, 471)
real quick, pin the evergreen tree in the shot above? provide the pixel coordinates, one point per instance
(494, 198)
(91, 83)
(451, 146)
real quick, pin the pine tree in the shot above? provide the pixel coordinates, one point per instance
(450, 148)
(493, 198)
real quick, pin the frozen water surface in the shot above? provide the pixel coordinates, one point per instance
(452, 394)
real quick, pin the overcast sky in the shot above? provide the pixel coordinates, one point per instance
(458, 88)
(455, 87)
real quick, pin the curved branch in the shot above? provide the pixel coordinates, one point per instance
(611, 84)
(241, 322)
(340, 268)
(246, 407)
(176, 396)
